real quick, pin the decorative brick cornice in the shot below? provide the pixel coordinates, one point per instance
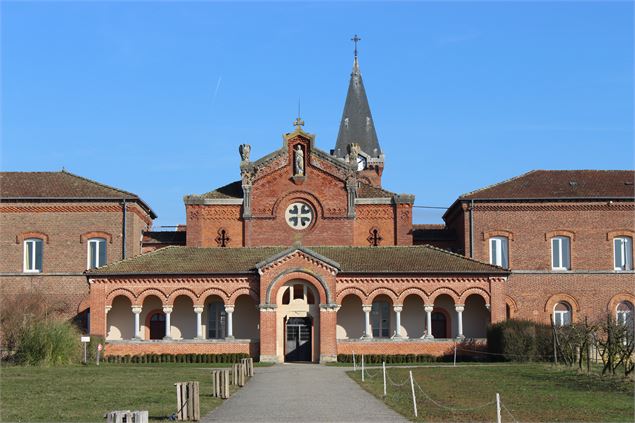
(541, 207)
(73, 208)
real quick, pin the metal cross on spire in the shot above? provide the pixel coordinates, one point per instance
(356, 39)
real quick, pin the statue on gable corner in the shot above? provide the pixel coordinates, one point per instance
(298, 161)
(244, 151)
(353, 152)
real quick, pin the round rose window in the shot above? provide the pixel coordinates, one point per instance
(299, 215)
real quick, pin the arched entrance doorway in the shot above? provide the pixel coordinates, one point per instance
(156, 323)
(299, 331)
(439, 325)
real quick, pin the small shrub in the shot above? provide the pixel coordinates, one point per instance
(51, 342)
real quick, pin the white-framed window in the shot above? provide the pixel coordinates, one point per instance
(562, 314)
(216, 317)
(96, 252)
(380, 319)
(624, 313)
(623, 253)
(33, 249)
(561, 253)
(499, 251)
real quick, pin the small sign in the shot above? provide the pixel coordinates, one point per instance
(100, 347)
(85, 338)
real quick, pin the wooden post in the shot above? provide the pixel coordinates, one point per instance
(362, 367)
(555, 344)
(383, 366)
(454, 353)
(354, 363)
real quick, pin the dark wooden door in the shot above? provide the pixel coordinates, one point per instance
(157, 326)
(439, 325)
(298, 342)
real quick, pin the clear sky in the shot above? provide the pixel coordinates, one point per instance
(155, 97)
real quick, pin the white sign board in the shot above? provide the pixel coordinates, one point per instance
(85, 338)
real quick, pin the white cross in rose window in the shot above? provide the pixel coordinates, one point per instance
(299, 215)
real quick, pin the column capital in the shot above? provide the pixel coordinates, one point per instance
(367, 308)
(167, 309)
(108, 308)
(428, 308)
(229, 308)
(329, 307)
(136, 309)
(459, 308)
(198, 309)
(488, 306)
(397, 308)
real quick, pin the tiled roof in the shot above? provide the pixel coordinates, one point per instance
(547, 184)
(164, 237)
(191, 260)
(60, 185)
(231, 190)
(369, 191)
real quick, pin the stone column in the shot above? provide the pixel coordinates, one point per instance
(199, 327)
(168, 324)
(368, 332)
(229, 309)
(398, 308)
(137, 330)
(428, 309)
(459, 311)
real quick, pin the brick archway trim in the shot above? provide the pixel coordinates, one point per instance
(618, 298)
(312, 277)
(208, 292)
(95, 234)
(120, 292)
(32, 234)
(551, 302)
(474, 291)
(512, 304)
(179, 292)
(621, 232)
(352, 290)
(440, 291)
(148, 292)
(490, 234)
(243, 291)
(382, 291)
(417, 292)
(560, 232)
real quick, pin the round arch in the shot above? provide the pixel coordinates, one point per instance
(148, 292)
(120, 292)
(212, 291)
(353, 290)
(556, 298)
(413, 291)
(243, 291)
(611, 306)
(297, 273)
(474, 291)
(447, 291)
(178, 292)
(382, 291)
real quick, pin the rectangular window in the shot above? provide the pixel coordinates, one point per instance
(499, 251)
(96, 252)
(623, 253)
(560, 253)
(216, 320)
(33, 255)
(380, 319)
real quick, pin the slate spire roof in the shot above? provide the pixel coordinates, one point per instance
(357, 124)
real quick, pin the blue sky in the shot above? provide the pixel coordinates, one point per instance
(155, 97)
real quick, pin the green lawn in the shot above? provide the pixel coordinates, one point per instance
(85, 393)
(531, 392)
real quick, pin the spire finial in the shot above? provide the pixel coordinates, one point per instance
(356, 39)
(298, 121)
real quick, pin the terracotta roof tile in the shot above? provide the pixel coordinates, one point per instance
(191, 260)
(369, 191)
(546, 184)
(164, 237)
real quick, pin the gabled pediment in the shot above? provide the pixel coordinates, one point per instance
(298, 252)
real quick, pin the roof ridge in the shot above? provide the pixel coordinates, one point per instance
(500, 183)
(461, 256)
(64, 171)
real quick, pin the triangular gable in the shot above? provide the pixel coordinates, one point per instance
(303, 252)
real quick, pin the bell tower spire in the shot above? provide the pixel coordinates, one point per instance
(357, 125)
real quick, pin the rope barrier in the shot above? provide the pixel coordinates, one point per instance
(453, 409)
(509, 412)
(503, 354)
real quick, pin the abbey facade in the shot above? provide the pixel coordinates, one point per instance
(307, 256)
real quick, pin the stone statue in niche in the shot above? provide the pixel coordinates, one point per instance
(244, 151)
(353, 152)
(298, 161)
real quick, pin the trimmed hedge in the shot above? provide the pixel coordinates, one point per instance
(520, 340)
(176, 358)
(392, 358)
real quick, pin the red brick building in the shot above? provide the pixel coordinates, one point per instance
(307, 256)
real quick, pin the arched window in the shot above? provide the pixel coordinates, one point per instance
(380, 319)
(562, 314)
(623, 253)
(96, 252)
(561, 253)
(499, 251)
(33, 250)
(624, 313)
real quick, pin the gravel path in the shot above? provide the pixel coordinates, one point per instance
(302, 393)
